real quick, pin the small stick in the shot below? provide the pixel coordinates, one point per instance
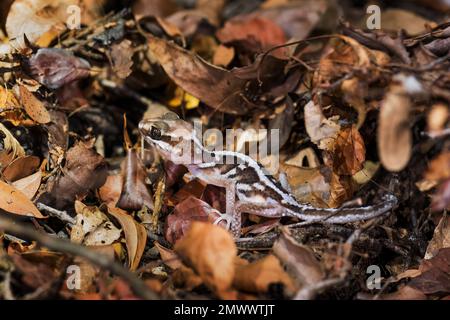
(61, 215)
(65, 246)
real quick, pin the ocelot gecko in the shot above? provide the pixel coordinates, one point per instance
(257, 193)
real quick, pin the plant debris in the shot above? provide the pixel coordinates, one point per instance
(339, 112)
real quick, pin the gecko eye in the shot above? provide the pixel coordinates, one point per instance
(155, 133)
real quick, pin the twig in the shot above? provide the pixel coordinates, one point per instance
(65, 246)
(62, 215)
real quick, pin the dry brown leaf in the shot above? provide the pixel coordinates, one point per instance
(33, 106)
(223, 56)
(122, 58)
(135, 236)
(55, 67)
(14, 201)
(256, 34)
(257, 276)
(21, 167)
(185, 213)
(299, 260)
(29, 185)
(169, 257)
(197, 77)
(210, 250)
(84, 170)
(110, 192)
(135, 193)
(349, 152)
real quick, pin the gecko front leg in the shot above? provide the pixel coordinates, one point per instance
(231, 215)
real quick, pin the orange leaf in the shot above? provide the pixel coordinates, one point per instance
(210, 250)
(33, 106)
(135, 236)
(14, 201)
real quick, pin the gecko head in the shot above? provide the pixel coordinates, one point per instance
(172, 137)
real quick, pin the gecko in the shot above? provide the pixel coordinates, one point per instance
(249, 189)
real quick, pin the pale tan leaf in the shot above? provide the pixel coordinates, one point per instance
(29, 185)
(14, 201)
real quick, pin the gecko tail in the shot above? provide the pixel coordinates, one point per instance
(346, 215)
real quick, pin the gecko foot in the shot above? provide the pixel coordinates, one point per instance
(224, 217)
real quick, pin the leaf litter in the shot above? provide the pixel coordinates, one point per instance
(359, 112)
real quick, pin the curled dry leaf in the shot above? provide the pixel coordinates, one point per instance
(197, 77)
(55, 68)
(33, 106)
(14, 201)
(134, 193)
(210, 250)
(257, 276)
(394, 134)
(11, 147)
(135, 236)
(321, 130)
(85, 170)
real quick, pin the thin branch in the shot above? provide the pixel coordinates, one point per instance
(65, 246)
(61, 215)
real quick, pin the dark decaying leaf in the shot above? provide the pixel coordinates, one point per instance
(197, 77)
(185, 213)
(134, 193)
(85, 170)
(56, 67)
(435, 277)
